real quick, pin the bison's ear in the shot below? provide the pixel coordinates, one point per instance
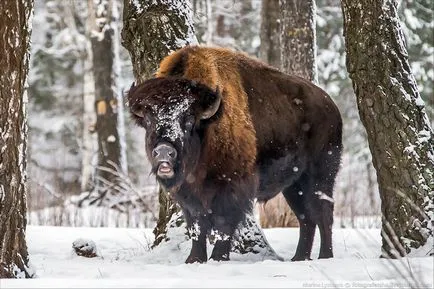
(132, 101)
(137, 111)
(210, 103)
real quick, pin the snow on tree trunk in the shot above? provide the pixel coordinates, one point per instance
(392, 111)
(297, 38)
(104, 19)
(151, 31)
(15, 30)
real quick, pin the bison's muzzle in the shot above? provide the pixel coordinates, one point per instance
(164, 156)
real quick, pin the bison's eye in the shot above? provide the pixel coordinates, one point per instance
(147, 121)
(189, 123)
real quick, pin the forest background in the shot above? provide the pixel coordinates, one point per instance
(63, 168)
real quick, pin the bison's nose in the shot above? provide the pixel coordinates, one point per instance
(164, 156)
(164, 152)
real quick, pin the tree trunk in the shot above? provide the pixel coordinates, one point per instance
(269, 50)
(297, 38)
(89, 144)
(151, 31)
(14, 64)
(108, 100)
(399, 134)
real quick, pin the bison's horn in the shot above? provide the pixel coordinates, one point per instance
(137, 112)
(213, 108)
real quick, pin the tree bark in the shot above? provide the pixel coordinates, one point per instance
(269, 50)
(151, 31)
(297, 38)
(14, 64)
(399, 134)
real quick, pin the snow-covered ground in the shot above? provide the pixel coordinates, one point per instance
(126, 261)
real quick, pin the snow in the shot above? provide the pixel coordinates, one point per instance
(424, 136)
(170, 117)
(111, 138)
(126, 261)
(84, 246)
(137, 6)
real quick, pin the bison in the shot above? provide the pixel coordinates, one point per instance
(223, 129)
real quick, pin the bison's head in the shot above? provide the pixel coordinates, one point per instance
(175, 113)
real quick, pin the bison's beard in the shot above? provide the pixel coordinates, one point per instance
(172, 183)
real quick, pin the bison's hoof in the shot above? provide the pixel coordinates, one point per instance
(220, 258)
(300, 258)
(194, 259)
(325, 256)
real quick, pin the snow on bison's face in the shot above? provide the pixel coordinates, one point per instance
(175, 113)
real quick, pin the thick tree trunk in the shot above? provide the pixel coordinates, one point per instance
(151, 31)
(399, 134)
(14, 64)
(297, 38)
(269, 50)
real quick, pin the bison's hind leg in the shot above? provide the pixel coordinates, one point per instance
(321, 203)
(296, 200)
(311, 199)
(315, 201)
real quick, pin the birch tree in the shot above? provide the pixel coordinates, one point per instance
(15, 34)
(393, 113)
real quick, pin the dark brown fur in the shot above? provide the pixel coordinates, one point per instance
(272, 132)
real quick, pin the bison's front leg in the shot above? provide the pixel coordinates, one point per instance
(223, 234)
(197, 228)
(228, 211)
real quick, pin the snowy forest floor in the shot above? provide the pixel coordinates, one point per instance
(126, 261)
